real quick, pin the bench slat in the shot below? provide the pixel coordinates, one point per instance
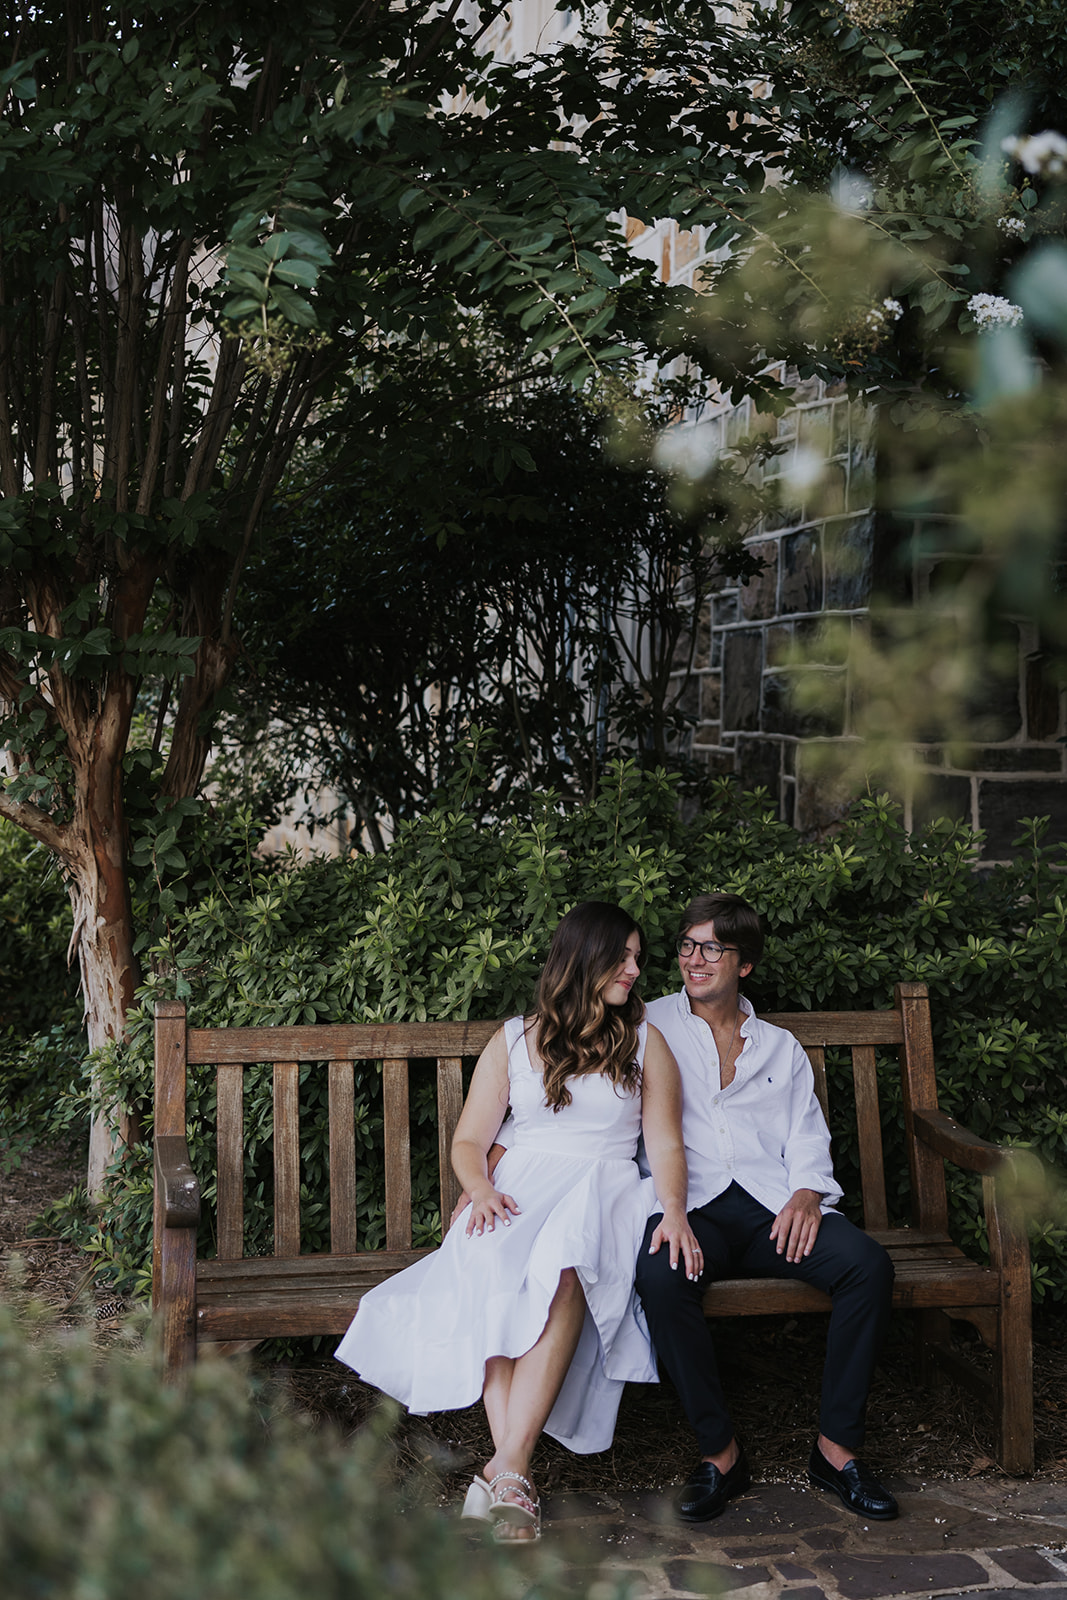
(286, 1158)
(869, 1134)
(817, 1056)
(349, 1041)
(838, 1027)
(343, 1229)
(397, 1155)
(449, 1106)
(229, 1089)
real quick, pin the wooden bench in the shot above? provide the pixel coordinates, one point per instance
(235, 1300)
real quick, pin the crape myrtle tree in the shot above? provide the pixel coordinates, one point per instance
(210, 217)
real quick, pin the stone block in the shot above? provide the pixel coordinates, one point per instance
(867, 1575)
(720, 763)
(861, 483)
(1029, 1566)
(941, 796)
(780, 640)
(742, 671)
(759, 596)
(706, 1577)
(702, 647)
(823, 640)
(783, 517)
(994, 707)
(710, 696)
(759, 766)
(821, 693)
(725, 611)
(848, 548)
(824, 787)
(1015, 758)
(1002, 803)
(839, 428)
(815, 429)
(800, 585)
(737, 423)
(688, 702)
(829, 496)
(1042, 700)
(706, 734)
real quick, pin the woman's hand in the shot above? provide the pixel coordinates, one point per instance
(487, 1204)
(674, 1231)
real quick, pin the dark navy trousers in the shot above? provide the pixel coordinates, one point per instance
(734, 1234)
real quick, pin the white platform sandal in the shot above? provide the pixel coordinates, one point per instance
(476, 1505)
(522, 1510)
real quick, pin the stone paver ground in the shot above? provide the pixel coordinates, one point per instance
(993, 1538)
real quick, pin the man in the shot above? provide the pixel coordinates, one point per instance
(761, 1204)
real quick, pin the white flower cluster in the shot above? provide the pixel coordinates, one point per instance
(992, 310)
(1014, 227)
(879, 317)
(1044, 153)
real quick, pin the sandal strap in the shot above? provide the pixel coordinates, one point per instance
(525, 1492)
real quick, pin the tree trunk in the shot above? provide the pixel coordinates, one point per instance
(100, 898)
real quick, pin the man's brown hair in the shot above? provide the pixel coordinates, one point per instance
(736, 922)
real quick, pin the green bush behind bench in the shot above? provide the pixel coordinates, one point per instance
(454, 919)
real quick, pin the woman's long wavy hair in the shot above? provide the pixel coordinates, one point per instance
(577, 1031)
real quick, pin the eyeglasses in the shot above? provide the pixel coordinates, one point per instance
(709, 950)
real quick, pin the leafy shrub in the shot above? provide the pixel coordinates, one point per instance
(454, 920)
(37, 988)
(41, 1093)
(114, 1483)
(42, 1046)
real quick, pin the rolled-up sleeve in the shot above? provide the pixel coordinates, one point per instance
(807, 1142)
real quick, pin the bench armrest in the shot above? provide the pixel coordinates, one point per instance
(949, 1138)
(178, 1182)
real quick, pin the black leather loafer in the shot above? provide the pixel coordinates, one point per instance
(856, 1484)
(708, 1490)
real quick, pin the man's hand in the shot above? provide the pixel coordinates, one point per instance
(796, 1227)
(492, 1160)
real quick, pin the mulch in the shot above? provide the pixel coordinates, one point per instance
(771, 1369)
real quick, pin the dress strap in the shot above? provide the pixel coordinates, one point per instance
(518, 1050)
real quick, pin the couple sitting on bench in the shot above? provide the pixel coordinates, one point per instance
(532, 1301)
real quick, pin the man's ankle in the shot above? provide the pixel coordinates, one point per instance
(725, 1458)
(835, 1454)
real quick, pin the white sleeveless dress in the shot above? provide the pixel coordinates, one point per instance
(425, 1335)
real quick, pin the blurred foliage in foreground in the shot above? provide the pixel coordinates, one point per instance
(115, 1483)
(913, 252)
(454, 920)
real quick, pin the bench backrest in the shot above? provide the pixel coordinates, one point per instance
(442, 1046)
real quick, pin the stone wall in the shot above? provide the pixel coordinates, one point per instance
(821, 556)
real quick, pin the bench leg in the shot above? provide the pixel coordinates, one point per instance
(1014, 1374)
(176, 1307)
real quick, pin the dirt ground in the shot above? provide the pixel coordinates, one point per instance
(771, 1368)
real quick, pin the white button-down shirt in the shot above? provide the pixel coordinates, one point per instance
(765, 1130)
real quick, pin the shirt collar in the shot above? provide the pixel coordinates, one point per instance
(743, 1001)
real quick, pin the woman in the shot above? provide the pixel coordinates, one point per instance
(530, 1302)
